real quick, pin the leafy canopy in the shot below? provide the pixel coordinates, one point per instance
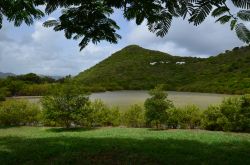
(156, 107)
(91, 21)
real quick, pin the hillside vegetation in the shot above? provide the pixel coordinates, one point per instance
(137, 68)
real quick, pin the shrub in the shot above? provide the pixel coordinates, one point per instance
(2, 97)
(102, 115)
(244, 114)
(3, 94)
(66, 111)
(35, 90)
(190, 117)
(66, 107)
(210, 118)
(157, 106)
(232, 115)
(174, 118)
(111, 117)
(95, 117)
(230, 110)
(19, 112)
(14, 87)
(134, 117)
(236, 114)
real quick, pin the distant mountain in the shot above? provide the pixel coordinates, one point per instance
(137, 68)
(4, 75)
(54, 77)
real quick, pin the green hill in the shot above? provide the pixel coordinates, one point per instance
(137, 68)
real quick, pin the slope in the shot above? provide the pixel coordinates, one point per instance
(137, 68)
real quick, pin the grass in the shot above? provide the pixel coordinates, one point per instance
(38, 145)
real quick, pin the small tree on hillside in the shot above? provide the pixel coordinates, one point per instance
(157, 106)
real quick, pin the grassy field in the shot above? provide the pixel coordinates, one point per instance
(38, 145)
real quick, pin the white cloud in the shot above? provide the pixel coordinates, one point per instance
(185, 39)
(48, 52)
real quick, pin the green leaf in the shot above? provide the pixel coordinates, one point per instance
(243, 33)
(244, 15)
(1, 20)
(233, 24)
(224, 19)
(219, 11)
(200, 14)
(245, 4)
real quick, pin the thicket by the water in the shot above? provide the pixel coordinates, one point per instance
(67, 108)
(28, 85)
(19, 112)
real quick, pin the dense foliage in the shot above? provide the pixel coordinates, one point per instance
(232, 115)
(190, 117)
(91, 21)
(18, 112)
(157, 106)
(134, 117)
(2, 95)
(78, 111)
(102, 115)
(65, 110)
(68, 110)
(66, 107)
(28, 85)
(135, 68)
(69, 106)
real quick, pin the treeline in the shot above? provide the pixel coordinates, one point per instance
(28, 85)
(68, 108)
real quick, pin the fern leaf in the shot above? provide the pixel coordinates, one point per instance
(243, 33)
(244, 15)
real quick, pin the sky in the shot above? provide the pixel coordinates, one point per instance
(36, 49)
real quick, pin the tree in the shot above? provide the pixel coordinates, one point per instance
(156, 107)
(91, 20)
(66, 107)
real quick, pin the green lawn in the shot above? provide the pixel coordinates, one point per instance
(38, 145)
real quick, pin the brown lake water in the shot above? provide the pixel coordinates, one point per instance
(124, 99)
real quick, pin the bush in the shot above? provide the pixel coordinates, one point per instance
(230, 110)
(190, 117)
(244, 114)
(18, 112)
(134, 117)
(110, 117)
(174, 118)
(66, 111)
(3, 94)
(236, 114)
(102, 115)
(232, 115)
(2, 97)
(156, 107)
(210, 118)
(35, 90)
